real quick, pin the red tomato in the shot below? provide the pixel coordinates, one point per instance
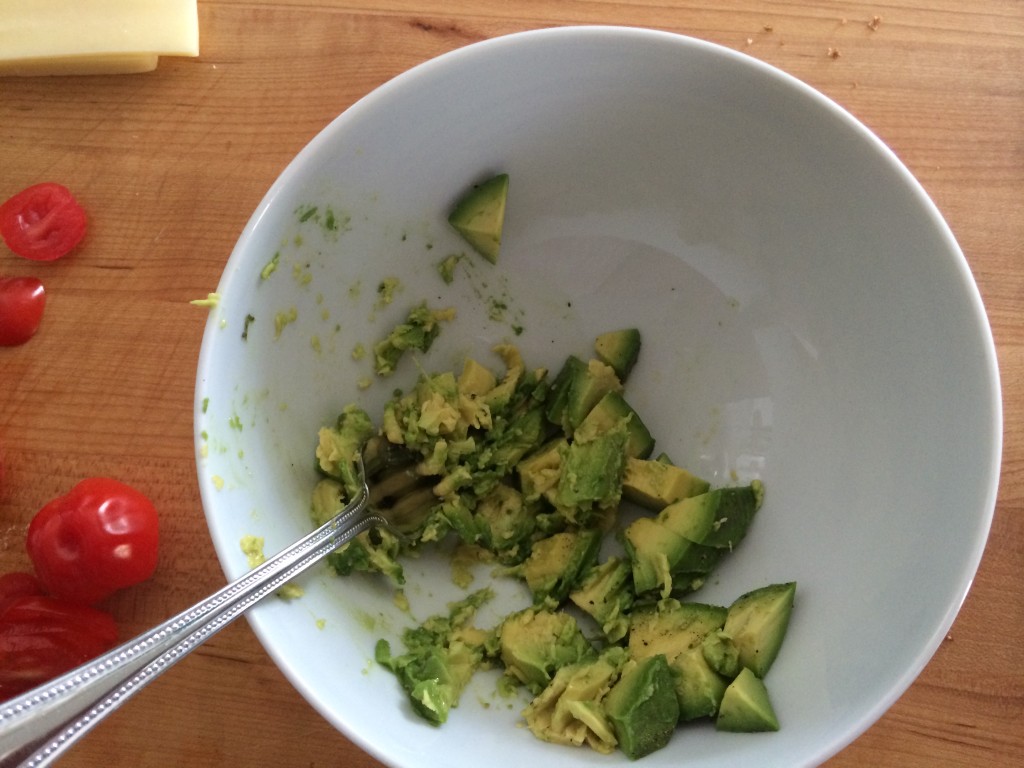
(22, 300)
(100, 537)
(43, 222)
(14, 586)
(42, 637)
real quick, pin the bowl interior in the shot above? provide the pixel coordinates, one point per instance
(807, 318)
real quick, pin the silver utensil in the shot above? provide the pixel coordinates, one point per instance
(38, 726)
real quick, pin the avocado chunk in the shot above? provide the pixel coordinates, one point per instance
(656, 484)
(338, 446)
(606, 593)
(606, 414)
(643, 707)
(540, 471)
(570, 709)
(619, 349)
(504, 523)
(699, 560)
(672, 627)
(536, 642)
(653, 552)
(678, 630)
(721, 654)
(692, 518)
(479, 216)
(421, 327)
(587, 386)
(557, 563)
(734, 509)
(441, 656)
(558, 395)
(591, 474)
(757, 622)
(746, 707)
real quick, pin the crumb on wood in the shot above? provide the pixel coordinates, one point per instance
(750, 41)
(833, 53)
(767, 27)
(875, 23)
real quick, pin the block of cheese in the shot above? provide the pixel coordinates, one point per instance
(85, 37)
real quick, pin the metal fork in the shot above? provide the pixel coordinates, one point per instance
(38, 726)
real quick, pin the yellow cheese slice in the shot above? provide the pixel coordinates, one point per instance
(62, 37)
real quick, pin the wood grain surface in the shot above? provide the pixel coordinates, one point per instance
(171, 164)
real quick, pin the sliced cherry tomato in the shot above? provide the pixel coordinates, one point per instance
(42, 637)
(43, 222)
(99, 538)
(22, 300)
(14, 586)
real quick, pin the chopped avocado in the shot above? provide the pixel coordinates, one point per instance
(678, 630)
(505, 522)
(556, 564)
(721, 654)
(757, 623)
(619, 349)
(656, 484)
(441, 656)
(327, 500)
(421, 327)
(692, 518)
(536, 642)
(591, 474)
(476, 379)
(338, 446)
(643, 706)
(699, 688)
(653, 552)
(746, 707)
(734, 508)
(606, 593)
(373, 551)
(586, 388)
(606, 414)
(699, 560)
(570, 711)
(530, 473)
(558, 395)
(480, 216)
(671, 627)
(540, 471)
(446, 267)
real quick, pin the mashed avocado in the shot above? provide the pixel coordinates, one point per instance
(418, 332)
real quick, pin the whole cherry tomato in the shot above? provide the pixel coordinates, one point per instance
(42, 637)
(43, 222)
(100, 537)
(22, 300)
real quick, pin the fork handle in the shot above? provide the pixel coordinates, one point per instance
(38, 726)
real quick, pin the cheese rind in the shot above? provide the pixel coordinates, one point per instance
(111, 64)
(94, 36)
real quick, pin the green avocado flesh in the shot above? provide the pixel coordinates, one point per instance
(547, 477)
(480, 216)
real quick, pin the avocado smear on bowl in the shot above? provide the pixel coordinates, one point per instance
(528, 472)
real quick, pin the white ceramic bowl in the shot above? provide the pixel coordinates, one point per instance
(808, 319)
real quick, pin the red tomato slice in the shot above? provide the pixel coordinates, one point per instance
(22, 300)
(14, 586)
(43, 222)
(41, 637)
